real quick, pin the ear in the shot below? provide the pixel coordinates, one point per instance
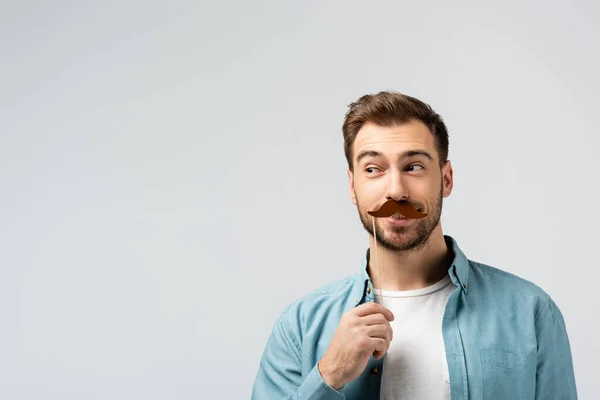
(351, 186)
(447, 178)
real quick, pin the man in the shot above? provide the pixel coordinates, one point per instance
(420, 320)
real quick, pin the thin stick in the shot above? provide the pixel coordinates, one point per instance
(377, 262)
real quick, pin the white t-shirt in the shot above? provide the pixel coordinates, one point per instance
(415, 365)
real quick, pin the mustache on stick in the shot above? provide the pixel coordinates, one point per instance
(391, 207)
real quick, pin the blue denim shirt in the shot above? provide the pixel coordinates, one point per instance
(505, 338)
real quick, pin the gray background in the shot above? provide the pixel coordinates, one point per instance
(173, 176)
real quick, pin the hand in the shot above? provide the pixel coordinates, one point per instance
(362, 331)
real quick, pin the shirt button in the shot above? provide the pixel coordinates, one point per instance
(464, 286)
(368, 289)
(375, 371)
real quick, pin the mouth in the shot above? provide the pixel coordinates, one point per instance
(399, 220)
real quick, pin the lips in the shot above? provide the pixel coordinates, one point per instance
(399, 221)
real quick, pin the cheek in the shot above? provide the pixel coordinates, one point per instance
(369, 193)
(362, 197)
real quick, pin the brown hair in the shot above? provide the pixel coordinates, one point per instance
(389, 108)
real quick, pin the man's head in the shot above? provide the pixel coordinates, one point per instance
(397, 148)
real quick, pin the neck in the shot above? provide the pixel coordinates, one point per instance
(412, 269)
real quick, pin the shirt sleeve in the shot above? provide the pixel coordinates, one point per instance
(555, 378)
(280, 372)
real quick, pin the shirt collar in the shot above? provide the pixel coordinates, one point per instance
(458, 271)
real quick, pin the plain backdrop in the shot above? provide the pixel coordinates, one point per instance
(172, 173)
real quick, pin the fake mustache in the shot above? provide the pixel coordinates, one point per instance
(391, 207)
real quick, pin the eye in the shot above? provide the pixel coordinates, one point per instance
(370, 170)
(415, 166)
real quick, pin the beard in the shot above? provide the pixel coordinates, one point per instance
(404, 238)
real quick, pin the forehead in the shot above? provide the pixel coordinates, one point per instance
(393, 140)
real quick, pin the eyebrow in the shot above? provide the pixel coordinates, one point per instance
(406, 154)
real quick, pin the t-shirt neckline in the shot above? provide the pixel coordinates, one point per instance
(415, 292)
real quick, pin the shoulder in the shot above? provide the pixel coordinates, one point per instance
(501, 276)
(506, 287)
(339, 291)
(321, 306)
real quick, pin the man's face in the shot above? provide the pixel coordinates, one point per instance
(383, 169)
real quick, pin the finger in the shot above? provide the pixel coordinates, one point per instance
(367, 309)
(373, 319)
(379, 331)
(377, 319)
(380, 347)
(373, 308)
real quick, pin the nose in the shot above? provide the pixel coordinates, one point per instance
(397, 188)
